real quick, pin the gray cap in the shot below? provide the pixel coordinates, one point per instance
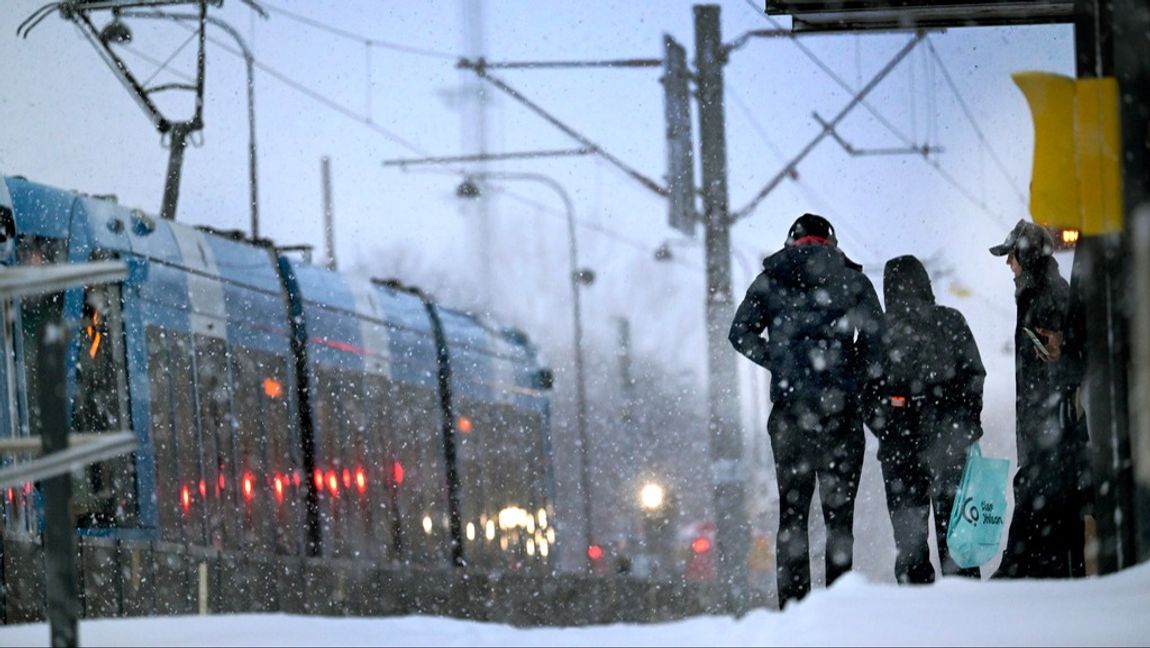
(1027, 240)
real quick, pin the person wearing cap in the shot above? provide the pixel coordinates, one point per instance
(926, 411)
(1046, 533)
(823, 324)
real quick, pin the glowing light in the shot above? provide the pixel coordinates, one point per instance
(470, 530)
(544, 549)
(489, 530)
(248, 486)
(203, 489)
(333, 482)
(530, 547)
(651, 496)
(1070, 236)
(92, 350)
(273, 388)
(221, 482)
(279, 487)
(551, 535)
(397, 473)
(186, 498)
(427, 524)
(594, 552)
(514, 517)
(464, 425)
(295, 478)
(346, 478)
(700, 545)
(542, 516)
(360, 479)
(318, 477)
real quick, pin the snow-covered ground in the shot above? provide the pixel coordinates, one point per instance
(1110, 611)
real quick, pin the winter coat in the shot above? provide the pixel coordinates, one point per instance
(928, 349)
(930, 364)
(1042, 296)
(823, 322)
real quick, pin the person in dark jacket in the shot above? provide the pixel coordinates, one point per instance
(927, 412)
(823, 322)
(1046, 529)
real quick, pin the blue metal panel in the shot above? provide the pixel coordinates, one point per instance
(40, 210)
(410, 337)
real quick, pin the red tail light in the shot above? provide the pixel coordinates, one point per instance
(397, 473)
(594, 552)
(248, 486)
(700, 545)
(318, 477)
(279, 488)
(186, 498)
(333, 482)
(221, 482)
(346, 478)
(360, 479)
(203, 489)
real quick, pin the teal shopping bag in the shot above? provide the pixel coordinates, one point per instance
(979, 512)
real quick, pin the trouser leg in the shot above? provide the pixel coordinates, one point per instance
(948, 463)
(838, 476)
(794, 470)
(908, 500)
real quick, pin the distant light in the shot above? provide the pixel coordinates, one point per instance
(489, 530)
(1070, 236)
(248, 486)
(203, 489)
(317, 476)
(333, 482)
(427, 524)
(221, 482)
(470, 530)
(273, 388)
(360, 479)
(651, 496)
(185, 497)
(279, 487)
(594, 552)
(542, 516)
(397, 473)
(700, 545)
(464, 425)
(530, 547)
(346, 478)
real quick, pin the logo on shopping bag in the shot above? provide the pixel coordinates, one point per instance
(974, 513)
(970, 512)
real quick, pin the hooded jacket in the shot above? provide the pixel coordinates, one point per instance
(823, 322)
(928, 349)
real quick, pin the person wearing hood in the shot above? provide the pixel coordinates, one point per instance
(823, 324)
(926, 412)
(1046, 533)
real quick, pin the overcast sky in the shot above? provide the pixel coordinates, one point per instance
(65, 120)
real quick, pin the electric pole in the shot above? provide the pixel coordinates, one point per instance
(726, 438)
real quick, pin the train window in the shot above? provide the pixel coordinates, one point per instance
(385, 469)
(105, 493)
(418, 447)
(263, 439)
(219, 480)
(36, 311)
(169, 501)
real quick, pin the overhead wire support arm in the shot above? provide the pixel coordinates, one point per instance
(487, 157)
(828, 128)
(924, 150)
(480, 68)
(540, 65)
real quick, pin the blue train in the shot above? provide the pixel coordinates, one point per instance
(280, 408)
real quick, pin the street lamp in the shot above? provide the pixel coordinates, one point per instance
(651, 497)
(470, 190)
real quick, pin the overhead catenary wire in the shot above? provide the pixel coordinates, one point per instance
(974, 122)
(367, 40)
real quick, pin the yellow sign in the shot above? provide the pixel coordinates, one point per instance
(1076, 182)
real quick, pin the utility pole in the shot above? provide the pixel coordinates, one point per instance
(328, 213)
(726, 438)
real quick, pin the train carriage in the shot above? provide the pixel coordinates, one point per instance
(280, 408)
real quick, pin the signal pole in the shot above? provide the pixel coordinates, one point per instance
(726, 438)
